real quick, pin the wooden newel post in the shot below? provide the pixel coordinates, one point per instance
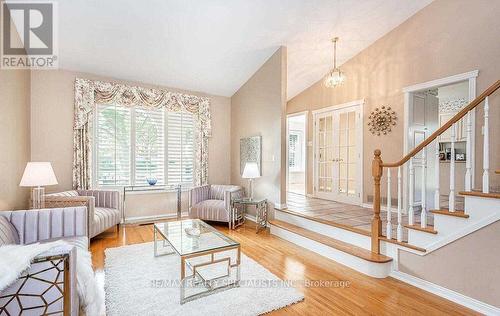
(376, 221)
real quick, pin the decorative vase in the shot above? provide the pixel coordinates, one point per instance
(152, 180)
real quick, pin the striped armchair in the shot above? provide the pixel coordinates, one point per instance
(213, 202)
(103, 207)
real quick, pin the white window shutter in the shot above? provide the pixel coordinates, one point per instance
(113, 145)
(180, 148)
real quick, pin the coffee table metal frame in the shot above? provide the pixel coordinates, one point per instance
(198, 279)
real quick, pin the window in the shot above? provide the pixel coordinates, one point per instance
(295, 151)
(136, 144)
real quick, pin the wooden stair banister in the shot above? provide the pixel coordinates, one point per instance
(378, 164)
(443, 128)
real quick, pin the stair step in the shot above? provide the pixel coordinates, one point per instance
(429, 229)
(492, 195)
(327, 222)
(402, 243)
(460, 214)
(333, 243)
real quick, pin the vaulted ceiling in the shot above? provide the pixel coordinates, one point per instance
(214, 46)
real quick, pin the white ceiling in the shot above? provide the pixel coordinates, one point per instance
(214, 46)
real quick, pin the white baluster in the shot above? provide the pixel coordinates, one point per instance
(468, 153)
(389, 205)
(412, 192)
(423, 214)
(437, 193)
(400, 215)
(452, 168)
(486, 149)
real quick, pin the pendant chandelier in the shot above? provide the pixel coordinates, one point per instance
(335, 77)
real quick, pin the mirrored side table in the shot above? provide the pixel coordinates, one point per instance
(239, 209)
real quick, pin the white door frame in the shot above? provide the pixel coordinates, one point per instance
(359, 130)
(306, 134)
(471, 78)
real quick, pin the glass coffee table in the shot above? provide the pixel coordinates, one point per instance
(210, 262)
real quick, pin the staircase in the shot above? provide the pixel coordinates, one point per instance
(375, 254)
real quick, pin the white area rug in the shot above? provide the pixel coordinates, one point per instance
(130, 271)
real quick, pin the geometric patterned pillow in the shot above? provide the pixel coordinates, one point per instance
(8, 233)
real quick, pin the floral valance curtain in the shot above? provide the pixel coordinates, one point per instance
(89, 93)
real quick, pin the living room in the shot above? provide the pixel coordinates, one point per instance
(157, 181)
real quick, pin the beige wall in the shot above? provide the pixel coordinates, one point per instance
(462, 266)
(14, 139)
(437, 42)
(258, 108)
(52, 102)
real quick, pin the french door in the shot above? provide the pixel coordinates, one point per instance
(337, 154)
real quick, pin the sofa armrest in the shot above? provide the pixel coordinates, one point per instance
(198, 194)
(231, 194)
(103, 198)
(45, 271)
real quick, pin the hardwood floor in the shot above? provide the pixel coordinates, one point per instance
(363, 296)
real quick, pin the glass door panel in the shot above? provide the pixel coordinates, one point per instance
(325, 154)
(337, 155)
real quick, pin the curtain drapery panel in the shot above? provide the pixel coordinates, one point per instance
(89, 93)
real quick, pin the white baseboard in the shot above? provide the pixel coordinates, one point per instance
(135, 219)
(253, 219)
(448, 294)
(280, 206)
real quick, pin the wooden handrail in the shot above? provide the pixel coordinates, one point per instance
(378, 165)
(443, 128)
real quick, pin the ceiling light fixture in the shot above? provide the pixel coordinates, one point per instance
(335, 77)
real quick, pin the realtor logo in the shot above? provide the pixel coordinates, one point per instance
(28, 35)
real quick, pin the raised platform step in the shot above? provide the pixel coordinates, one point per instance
(429, 229)
(357, 258)
(327, 222)
(402, 243)
(460, 214)
(491, 195)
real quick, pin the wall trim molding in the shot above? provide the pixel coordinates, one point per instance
(339, 106)
(442, 81)
(448, 294)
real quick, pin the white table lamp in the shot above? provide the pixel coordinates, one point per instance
(251, 172)
(38, 175)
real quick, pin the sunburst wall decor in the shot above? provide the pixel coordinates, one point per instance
(381, 120)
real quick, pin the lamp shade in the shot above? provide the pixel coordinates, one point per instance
(251, 171)
(38, 174)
